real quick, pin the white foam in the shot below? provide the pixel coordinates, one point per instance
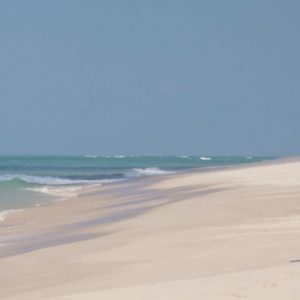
(60, 192)
(205, 158)
(42, 180)
(5, 213)
(151, 171)
(119, 156)
(64, 192)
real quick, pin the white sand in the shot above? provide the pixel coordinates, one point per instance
(227, 234)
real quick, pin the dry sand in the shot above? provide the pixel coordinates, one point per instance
(219, 234)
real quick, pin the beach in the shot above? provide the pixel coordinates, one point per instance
(219, 233)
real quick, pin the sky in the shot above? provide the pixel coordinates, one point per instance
(150, 77)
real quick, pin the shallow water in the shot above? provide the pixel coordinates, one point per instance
(26, 181)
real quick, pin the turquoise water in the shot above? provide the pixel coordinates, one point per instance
(29, 180)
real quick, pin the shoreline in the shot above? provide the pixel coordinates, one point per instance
(32, 183)
(69, 191)
(167, 236)
(135, 183)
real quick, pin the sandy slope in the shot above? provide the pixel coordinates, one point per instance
(227, 234)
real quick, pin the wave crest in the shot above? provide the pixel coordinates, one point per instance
(47, 180)
(205, 158)
(151, 171)
(40, 180)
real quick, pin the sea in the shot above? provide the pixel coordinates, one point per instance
(28, 181)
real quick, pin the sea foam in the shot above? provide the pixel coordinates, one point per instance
(205, 158)
(151, 171)
(41, 180)
(5, 213)
(60, 192)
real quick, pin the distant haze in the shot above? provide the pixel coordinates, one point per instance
(150, 77)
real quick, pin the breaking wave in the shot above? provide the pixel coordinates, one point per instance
(47, 180)
(150, 172)
(205, 158)
(41, 180)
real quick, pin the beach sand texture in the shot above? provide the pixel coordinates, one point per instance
(232, 233)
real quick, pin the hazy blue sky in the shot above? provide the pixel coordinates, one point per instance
(150, 77)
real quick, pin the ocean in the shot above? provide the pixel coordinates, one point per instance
(27, 181)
